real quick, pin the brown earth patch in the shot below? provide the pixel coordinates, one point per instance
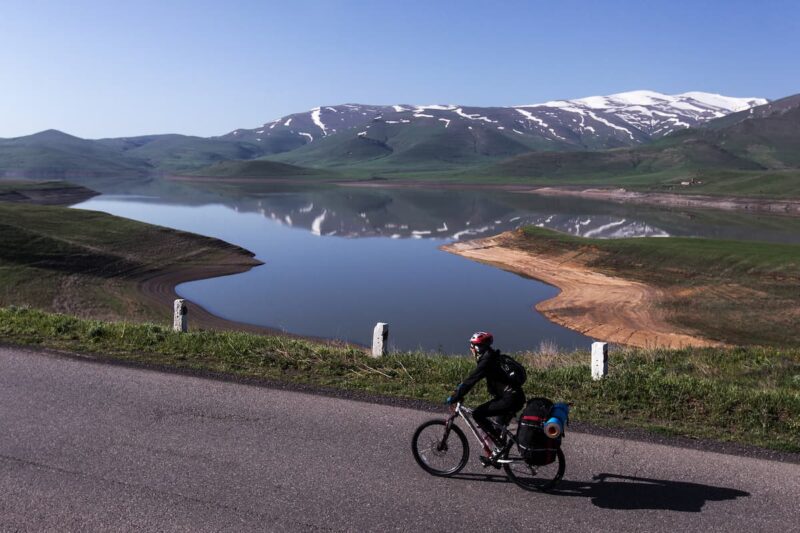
(598, 305)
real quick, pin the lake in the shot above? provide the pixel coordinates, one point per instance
(339, 259)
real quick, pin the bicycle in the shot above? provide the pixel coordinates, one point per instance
(439, 453)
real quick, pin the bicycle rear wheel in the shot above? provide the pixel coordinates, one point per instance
(438, 450)
(537, 477)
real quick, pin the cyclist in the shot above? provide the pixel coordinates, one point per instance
(507, 397)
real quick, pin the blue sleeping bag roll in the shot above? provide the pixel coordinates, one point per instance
(554, 426)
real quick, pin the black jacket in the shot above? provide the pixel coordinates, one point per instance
(489, 368)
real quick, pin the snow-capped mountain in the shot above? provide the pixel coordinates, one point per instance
(596, 122)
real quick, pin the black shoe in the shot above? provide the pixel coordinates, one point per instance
(486, 462)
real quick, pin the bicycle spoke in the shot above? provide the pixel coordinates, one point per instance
(436, 455)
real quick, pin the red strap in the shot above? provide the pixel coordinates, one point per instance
(534, 418)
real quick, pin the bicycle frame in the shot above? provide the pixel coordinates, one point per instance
(433, 453)
(465, 413)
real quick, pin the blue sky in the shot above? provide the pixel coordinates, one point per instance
(109, 69)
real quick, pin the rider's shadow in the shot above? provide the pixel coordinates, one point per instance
(611, 491)
(629, 492)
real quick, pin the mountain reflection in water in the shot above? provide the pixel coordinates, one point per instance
(453, 215)
(338, 260)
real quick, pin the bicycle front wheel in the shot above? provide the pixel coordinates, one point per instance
(440, 450)
(537, 477)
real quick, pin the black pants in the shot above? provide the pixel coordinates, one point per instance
(503, 407)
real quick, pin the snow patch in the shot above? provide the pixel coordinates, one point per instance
(527, 114)
(475, 116)
(287, 122)
(446, 122)
(728, 103)
(610, 124)
(316, 226)
(315, 114)
(433, 107)
(601, 229)
(310, 137)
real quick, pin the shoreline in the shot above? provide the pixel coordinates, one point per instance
(600, 306)
(772, 206)
(769, 206)
(157, 291)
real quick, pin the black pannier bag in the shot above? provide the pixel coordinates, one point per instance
(536, 447)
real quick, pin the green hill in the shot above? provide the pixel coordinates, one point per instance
(43, 192)
(754, 152)
(181, 152)
(416, 147)
(52, 154)
(259, 168)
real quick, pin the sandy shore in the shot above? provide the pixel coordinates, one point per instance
(603, 307)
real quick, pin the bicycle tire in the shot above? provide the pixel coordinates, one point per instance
(429, 447)
(535, 481)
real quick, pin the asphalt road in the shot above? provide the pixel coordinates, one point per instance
(89, 446)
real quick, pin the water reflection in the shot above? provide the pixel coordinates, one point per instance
(454, 215)
(340, 259)
(459, 215)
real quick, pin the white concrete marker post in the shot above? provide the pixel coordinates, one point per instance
(180, 320)
(599, 360)
(380, 339)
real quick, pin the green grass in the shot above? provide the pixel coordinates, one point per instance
(92, 263)
(738, 292)
(745, 395)
(260, 168)
(10, 185)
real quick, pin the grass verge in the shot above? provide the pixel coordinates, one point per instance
(747, 395)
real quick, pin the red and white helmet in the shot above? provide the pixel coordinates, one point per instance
(481, 340)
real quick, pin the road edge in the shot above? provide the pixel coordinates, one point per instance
(633, 434)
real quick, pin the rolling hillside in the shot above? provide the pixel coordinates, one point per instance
(52, 154)
(180, 152)
(638, 137)
(259, 169)
(439, 137)
(754, 152)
